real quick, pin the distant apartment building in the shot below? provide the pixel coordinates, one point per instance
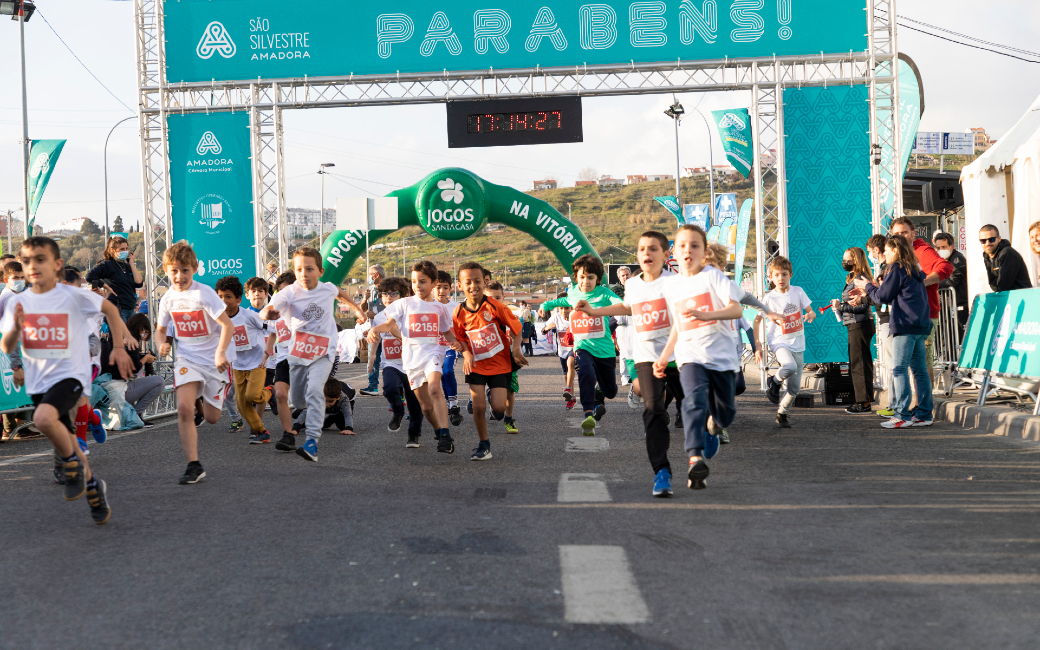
(584, 183)
(659, 177)
(982, 141)
(725, 172)
(695, 172)
(547, 184)
(636, 178)
(607, 180)
(303, 222)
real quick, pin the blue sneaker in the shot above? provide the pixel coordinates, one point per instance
(308, 450)
(83, 446)
(663, 483)
(97, 430)
(711, 445)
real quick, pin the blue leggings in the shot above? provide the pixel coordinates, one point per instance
(448, 383)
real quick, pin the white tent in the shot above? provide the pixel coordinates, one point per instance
(1002, 187)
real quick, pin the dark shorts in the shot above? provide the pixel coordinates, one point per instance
(281, 372)
(503, 380)
(63, 397)
(269, 377)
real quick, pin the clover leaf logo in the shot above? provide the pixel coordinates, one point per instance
(451, 191)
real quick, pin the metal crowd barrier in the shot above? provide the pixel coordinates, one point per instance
(947, 351)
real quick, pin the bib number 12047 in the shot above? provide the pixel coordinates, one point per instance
(308, 347)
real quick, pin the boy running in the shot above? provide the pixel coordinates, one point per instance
(593, 345)
(448, 382)
(488, 362)
(422, 321)
(49, 321)
(279, 338)
(307, 306)
(396, 389)
(697, 300)
(249, 367)
(561, 322)
(494, 290)
(204, 332)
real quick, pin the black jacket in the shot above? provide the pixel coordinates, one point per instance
(854, 316)
(1006, 270)
(106, 355)
(120, 277)
(959, 280)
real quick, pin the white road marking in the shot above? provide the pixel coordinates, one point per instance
(587, 443)
(582, 488)
(114, 435)
(18, 459)
(598, 586)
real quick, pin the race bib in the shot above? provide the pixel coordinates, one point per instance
(443, 342)
(792, 327)
(191, 325)
(690, 328)
(423, 326)
(46, 336)
(283, 331)
(308, 347)
(651, 319)
(392, 348)
(241, 338)
(584, 326)
(485, 342)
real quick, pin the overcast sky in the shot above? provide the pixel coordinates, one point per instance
(389, 147)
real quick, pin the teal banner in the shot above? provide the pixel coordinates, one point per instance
(11, 396)
(743, 226)
(211, 191)
(209, 40)
(43, 156)
(735, 132)
(911, 109)
(1004, 334)
(672, 205)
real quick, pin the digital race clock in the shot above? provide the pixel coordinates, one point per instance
(507, 122)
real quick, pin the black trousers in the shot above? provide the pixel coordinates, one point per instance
(655, 412)
(591, 371)
(861, 363)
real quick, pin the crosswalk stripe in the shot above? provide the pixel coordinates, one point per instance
(598, 586)
(577, 488)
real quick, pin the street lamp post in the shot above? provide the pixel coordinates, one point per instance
(106, 170)
(711, 166)
(23, 10)
(321, 216)
(675, 111)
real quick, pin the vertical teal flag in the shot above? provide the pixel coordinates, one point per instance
(743, 225)
(43, 155)
(735, 132)
(211, 190)
(672, 205)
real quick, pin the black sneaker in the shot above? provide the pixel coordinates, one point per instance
(678, 420)
(287, 443)
(469, 407)
(446, 445)
(773, 390)
(413, 441)
(395, 422)
(599, 395)
(236, 426)
(782, 421)
(695, 480)
(482, 452)
(97, 497)
(455, 415)
(600, 411)
(859, 409)
(193, 474)
(198, 418)
(59, 474)
(75, 483)
(369, 392)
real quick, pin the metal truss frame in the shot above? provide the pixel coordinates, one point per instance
(886, 178)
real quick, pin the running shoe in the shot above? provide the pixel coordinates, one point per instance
(83, 446)
(236, 426)
(634, 401)
(446, 445)
(896, 423)
(97, 497)
(782, 421)
(568, 395)
(59, 474)
(308, 450)
(724, 437)
(483, 451)
(97, 430)
(287, 443)
(858, 409)
(678, 420)
(711, 445)
(663, 483)
(624, 380)
(75, 484)
(469, 407)
(263, 437)
(773, 390)
(370, 392)
(885, 413)
(395, 422)
(570, 404)
(511, 426)
(599, 395)
(600, 411)
(455, 415)
(413, 441)
(193, 474)
(588, 426)
(917, 422)
(698, 475)
(198, 418)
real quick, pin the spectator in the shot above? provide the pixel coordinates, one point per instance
(1034, 243)
(623, 274)
(117, 270)
(958, 281)
(855, 315)
(936, 269)
(1006, 269)
(903, 288)
(272, 272)
(140, 391)
(372, 305)
(876, 250)
(527, 334)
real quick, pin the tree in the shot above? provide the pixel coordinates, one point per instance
(117, 225)
(587, 174)
(89, 228)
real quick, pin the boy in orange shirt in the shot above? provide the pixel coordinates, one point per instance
(482, 325)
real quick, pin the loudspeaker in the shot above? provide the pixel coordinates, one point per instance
(937, 196)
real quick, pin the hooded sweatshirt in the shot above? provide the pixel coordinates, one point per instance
(906, 294)
(1006, 269)
(931, 262)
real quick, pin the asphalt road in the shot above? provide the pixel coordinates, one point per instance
(833, 534)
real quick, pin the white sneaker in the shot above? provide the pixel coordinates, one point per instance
(920, 423)
(896, 423)
(634, 401)
(624, 380)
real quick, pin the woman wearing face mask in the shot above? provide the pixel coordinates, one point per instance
(858, 321)
(119, 273)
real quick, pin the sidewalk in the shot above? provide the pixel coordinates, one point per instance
(1000, 420)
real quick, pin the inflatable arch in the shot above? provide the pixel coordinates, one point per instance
(453, 204)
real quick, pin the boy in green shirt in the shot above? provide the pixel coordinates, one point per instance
(593, 346)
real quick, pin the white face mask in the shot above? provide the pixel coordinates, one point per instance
(18, 286)
(945, 254)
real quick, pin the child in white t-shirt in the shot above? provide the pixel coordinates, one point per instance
(308, 305)
(449, 384)
(560, 321)
(787, 341)
(396, 388)
(202, 368)
(422, 321)
(278, 338)
(249, 368)
(699, 301)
